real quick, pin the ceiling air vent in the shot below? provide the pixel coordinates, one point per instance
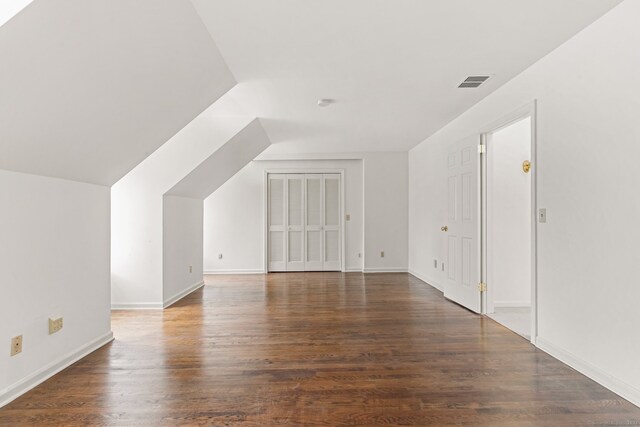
(473, 81)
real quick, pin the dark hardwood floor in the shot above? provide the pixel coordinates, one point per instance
(325, 349)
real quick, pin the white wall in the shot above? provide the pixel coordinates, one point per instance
(136, 207)
(386, 228)
(375, 196)
(509, 215)
(234, 216)
(54, 261)
(182, 246)
(588, 146)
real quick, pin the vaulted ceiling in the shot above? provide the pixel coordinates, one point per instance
(392, 66)
(88, 89)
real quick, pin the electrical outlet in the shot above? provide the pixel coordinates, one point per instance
(348, 217)
(381, 254)
(435, 263)
(55, 324)
(359, 255)
(191, 269)
(16, 345)
(219, 256)
(442, 265)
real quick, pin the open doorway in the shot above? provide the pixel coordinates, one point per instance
(509, 228)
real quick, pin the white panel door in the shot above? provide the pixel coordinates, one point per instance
(332, 223)
(461, 229)
(295, 222)
(304, 222)
(313, 222)
(276, 222)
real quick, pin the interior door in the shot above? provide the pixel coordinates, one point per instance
(295, 222)
(304, 222)
(331, 222)
(462, 227)
(276, 222)
(313, 224)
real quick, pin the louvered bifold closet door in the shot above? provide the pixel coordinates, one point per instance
(313, 223)
(331, 222)
(295, 222)
(276, 218)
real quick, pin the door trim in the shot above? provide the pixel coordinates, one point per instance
(528, 110)
(265, 209)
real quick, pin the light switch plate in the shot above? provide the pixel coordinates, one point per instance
(542, 215)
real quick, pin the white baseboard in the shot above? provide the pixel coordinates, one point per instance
(385, 270)
(616, 385)
(24, 385)
(182, 294)
(137, 306)
(509, 304)
(353, 270)
(433, 283)
(233, 272)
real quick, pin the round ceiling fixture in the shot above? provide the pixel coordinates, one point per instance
(324, 102)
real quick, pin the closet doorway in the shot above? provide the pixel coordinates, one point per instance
(304, 215)
(509, 251)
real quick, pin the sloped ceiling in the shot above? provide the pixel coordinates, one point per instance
(392, 66)
(88, 89)
(10, 8)
(224, 163)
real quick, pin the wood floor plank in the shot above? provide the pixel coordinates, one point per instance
(316, 349)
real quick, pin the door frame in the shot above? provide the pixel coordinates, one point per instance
(528, 110)
(265, 207)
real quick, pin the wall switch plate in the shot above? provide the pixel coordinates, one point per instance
(191, 269)
(435, 263)
(16, 345)
(542, 215)
(348, 217)
(359, 255)
(381, 254)
(55, 324)
(219, 256)
(442, 265)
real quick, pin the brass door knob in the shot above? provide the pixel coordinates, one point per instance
(444, 228)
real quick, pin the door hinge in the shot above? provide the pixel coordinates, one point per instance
(482, 148)
(482, 287)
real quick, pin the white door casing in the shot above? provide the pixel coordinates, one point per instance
(461, 228)
(526, 111)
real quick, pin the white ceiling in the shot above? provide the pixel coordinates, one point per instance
(216, 169)
(10, 8)
(88, 89)
(391, 65)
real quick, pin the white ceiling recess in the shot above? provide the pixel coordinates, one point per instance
(214, 171)
(90, 88)
(392, 67)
